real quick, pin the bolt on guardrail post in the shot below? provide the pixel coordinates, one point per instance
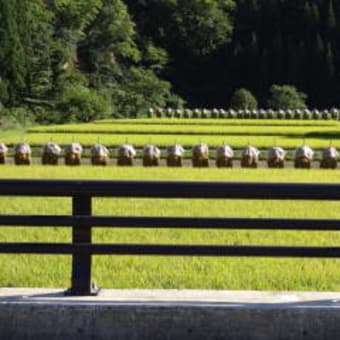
(81, 263)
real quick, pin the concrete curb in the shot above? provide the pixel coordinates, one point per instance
(169, 314)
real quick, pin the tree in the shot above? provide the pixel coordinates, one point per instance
(202, 26)
(286, 97)
(331, 19)
(13, 61)
(137, 53)
(194, 27)
(108, 44)
(194, 33)
(36, 30)
(79, 103)
(243, 99)
(119, 67)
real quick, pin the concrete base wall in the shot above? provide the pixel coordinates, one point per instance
(122, 315)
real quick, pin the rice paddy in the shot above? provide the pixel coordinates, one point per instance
(196, 129)
(175, 272)
(163, 132)
(112, 140)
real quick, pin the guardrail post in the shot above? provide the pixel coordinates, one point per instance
(81, 263)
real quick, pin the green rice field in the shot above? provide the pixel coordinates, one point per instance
(175, 272)
(196, 129)
(163, 132)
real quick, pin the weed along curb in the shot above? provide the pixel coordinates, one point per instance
(168, 314)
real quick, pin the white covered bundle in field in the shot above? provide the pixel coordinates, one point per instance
(73, 154)
(126, 155)
(51, 153)
(276, 157)
(151, 155)
(329, 158)
(303, 157)
(200, 155)
(22, 154)
(250, 157)
(175, 155)
(99, 155)
(3, 153)
(224, 156)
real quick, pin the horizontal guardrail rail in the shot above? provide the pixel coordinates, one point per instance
(82, 221)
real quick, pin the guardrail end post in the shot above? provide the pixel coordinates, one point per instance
(82, 262)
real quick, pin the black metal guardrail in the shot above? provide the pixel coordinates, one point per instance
(82, 220)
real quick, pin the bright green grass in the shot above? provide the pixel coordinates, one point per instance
(18, 134)
(172, 129)
(177, 272)
(163, 132)
(112, 140)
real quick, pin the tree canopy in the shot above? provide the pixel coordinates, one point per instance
(117, 58)
(286, 97)
(243, 99)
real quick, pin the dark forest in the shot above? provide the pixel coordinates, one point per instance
(77, 60)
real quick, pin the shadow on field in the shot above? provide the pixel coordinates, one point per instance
(323, 135)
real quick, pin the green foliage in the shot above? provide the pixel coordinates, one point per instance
(15, 117)
(155, 58)
(140, 90)
(110, 50)
(76, 14)
(201, 25)
(286, 97)
(243, 99)
(79, 103)
(13, 61)
(70, 60)
(37, 34)
(4, 96)
(140, 54)
(109, 42)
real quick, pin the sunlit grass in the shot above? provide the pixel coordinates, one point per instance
(112, 140)
(177, 272)
(164, 132)
(186, 129)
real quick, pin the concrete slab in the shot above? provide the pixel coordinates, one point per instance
(173, 296)
(168, 314)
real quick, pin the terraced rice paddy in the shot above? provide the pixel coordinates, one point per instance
(163, 132)
(178, 272)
